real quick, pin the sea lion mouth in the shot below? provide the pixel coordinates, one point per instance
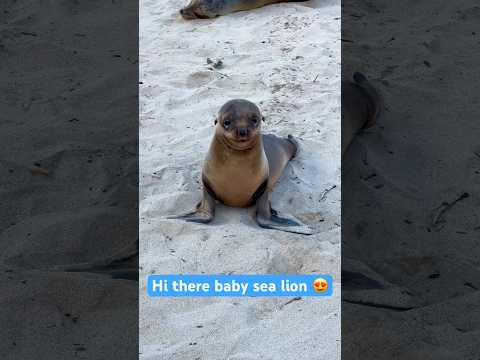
(240, 144)
(200, 16)
(189, 14)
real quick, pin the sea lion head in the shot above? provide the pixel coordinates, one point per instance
(199, 9)
(238, 124)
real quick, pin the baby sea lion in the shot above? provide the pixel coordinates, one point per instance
(206, 9)
(242, 166)
(361, 107)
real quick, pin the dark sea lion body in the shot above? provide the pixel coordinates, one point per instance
(206, 9)
(242, 166)
(361, 107)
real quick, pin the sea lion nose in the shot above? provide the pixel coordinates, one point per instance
(242, 132)
(182, 11)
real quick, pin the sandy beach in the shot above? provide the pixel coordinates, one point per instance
(68, 144)
(286, 59)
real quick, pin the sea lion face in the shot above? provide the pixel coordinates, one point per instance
(239, 124)
(199, 9)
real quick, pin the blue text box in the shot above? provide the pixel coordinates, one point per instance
(239, 285)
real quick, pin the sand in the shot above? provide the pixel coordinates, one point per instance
(68, 144)
(285, 58)
(51, 219)
(406, 222)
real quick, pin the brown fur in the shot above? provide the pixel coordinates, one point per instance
(242, 166)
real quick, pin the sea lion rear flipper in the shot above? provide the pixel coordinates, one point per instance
(203, 213)
(271, 219)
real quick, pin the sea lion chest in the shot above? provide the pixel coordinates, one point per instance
(235, 176)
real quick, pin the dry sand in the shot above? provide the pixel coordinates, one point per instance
(68, 179)
(405, 221)
(285, 58)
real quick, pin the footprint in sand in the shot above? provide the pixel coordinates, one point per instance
(199, 79)
(280, 264)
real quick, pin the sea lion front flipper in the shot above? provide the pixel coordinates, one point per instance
(271, 219)
(203, 213)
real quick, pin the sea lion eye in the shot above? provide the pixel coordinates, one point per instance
(254, 119)
(226, 123)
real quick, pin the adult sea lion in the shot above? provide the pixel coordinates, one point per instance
(206, 9)
(242, 166)
(361, 107)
